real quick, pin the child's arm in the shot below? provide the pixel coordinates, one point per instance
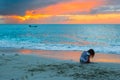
(88, 61)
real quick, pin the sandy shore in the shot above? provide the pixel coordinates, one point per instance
(49, 65)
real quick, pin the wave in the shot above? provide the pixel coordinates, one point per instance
(30, 45)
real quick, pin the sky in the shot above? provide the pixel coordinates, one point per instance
(59, 11)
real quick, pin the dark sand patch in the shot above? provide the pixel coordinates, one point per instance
(76, 72)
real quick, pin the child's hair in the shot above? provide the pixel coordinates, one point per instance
(92, 52)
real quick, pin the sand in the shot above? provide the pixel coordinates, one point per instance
(14, 65)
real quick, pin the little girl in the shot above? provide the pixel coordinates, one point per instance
(86, 55)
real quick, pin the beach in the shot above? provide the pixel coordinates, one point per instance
(26, 64)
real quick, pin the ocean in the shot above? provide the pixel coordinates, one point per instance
(103, 38)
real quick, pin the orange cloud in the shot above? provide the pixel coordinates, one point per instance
(24, 19)
(94, 19)
(68, 7)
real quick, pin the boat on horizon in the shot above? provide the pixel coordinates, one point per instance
(32, 26)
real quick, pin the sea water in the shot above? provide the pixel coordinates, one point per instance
(103, 38)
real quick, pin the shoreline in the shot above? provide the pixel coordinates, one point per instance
(72, 55)
(22, 48)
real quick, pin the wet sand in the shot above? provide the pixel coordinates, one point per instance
(73, 55)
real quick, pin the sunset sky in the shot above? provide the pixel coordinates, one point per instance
(60, 11)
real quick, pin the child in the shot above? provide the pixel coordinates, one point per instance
(86, 55)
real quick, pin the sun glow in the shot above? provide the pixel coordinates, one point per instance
(71, 12)
(71, 19)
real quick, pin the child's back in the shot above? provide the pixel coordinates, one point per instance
(84, 57)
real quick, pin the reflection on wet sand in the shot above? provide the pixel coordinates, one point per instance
(73, 55)
(25, 51)
(110, 58)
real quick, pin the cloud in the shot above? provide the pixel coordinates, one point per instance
(68, 8)
(94, 19)
(109, 6)
(1, 19)
(106, 9)
(19, 7)
(12, 19)
(48, 20)
(113, 2)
